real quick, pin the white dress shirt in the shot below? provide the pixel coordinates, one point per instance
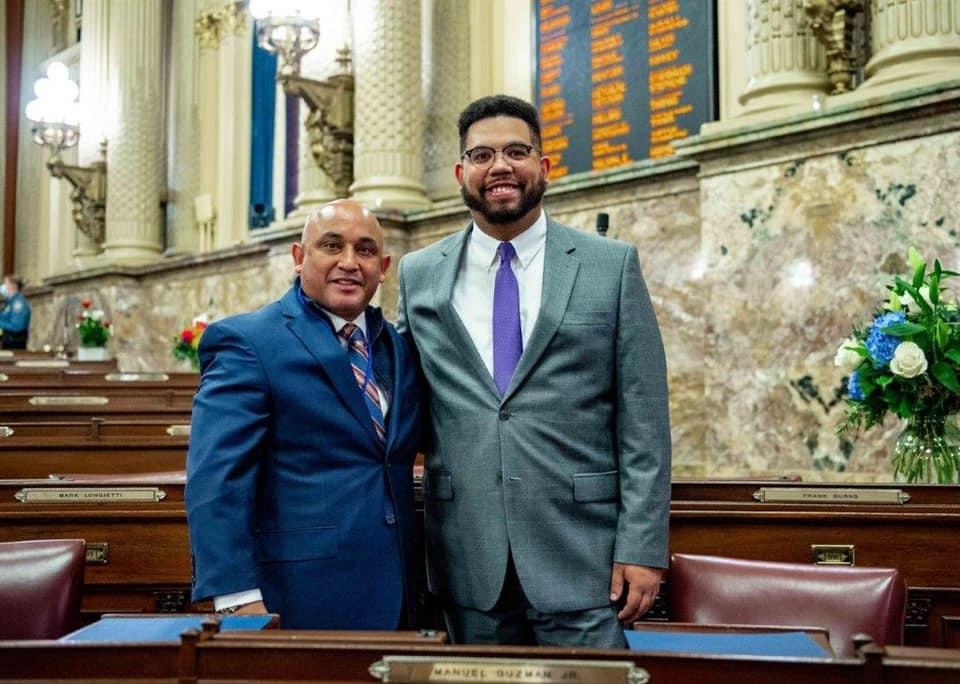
(473, 289)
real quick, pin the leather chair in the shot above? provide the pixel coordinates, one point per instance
(41, 584)
(845, 600)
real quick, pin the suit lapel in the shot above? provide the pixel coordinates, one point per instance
(560, 267)
(319, 339)
(445, 277)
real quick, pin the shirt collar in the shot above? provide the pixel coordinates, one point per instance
(335, 320)
(338, 323)
(527, 244)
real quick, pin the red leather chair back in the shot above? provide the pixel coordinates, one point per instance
(41, 584)
(843, 599)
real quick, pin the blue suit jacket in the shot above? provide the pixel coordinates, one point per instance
(288, 488)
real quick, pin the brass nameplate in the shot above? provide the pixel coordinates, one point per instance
(98, 553)
(454, 669)
(87, 494)
(6, 431)
(848, 495)
(136, 377)
(833, 554)
(4, 377)
(178, 430)
(42, 363)
(68, 400)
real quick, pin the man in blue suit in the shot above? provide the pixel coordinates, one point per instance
(547, 482)
(299, 475)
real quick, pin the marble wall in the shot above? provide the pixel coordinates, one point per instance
(761, 247)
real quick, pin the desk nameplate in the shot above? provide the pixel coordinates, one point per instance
(69, 495)
(454, 669)
(42, 363)
(136, 377)
(830, 495)
(68, 400)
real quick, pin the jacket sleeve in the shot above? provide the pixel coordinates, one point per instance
(227, 441)
(643, 425)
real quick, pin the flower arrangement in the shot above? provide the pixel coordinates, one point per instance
(93, 330)
(907, 362)
(187, 342)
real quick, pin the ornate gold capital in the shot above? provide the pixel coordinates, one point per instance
(833, 22)
(212, 26)
(207, 30)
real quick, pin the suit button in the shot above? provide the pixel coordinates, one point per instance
(504, 415)
(390, 518)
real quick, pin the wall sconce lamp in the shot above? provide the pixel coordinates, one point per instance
(290, 29)
(55, 117)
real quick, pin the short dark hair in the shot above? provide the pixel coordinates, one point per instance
(15, 279)
(499, 105)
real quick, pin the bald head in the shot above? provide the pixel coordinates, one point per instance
(340, 257)
(347, 209)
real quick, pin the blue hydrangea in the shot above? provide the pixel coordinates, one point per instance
(881, 346)
(853, 387)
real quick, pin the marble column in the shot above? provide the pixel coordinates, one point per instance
(914, 41)
(94, 89)
(388, 105)
(183, 167)
(207, 34)
(786, 63)
(135, 154)
(446, 76)
(233, 125)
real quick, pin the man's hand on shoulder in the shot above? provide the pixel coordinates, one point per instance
(641, 584)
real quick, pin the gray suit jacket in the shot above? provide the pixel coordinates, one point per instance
(570, 469)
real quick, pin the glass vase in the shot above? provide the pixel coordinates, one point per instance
(928, 450)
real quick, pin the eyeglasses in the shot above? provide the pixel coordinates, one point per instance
(514, 153)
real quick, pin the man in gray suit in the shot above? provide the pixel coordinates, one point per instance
(547, 479)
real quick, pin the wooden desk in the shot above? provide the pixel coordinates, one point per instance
(36, 449)
(33, 379)
(138, 557)
(919, 536)
(307, 656)
(173, 405)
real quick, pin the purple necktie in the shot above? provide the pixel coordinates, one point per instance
(507, 341)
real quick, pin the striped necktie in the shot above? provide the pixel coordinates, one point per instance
(359, 362)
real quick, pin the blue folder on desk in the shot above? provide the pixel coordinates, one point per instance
(155, 628)
(784, 644)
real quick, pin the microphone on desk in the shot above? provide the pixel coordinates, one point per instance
(603, 223)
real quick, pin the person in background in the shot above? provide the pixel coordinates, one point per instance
(299, 487)
(15, 315)
(547, 473)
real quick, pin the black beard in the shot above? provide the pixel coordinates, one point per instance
(529, 198)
